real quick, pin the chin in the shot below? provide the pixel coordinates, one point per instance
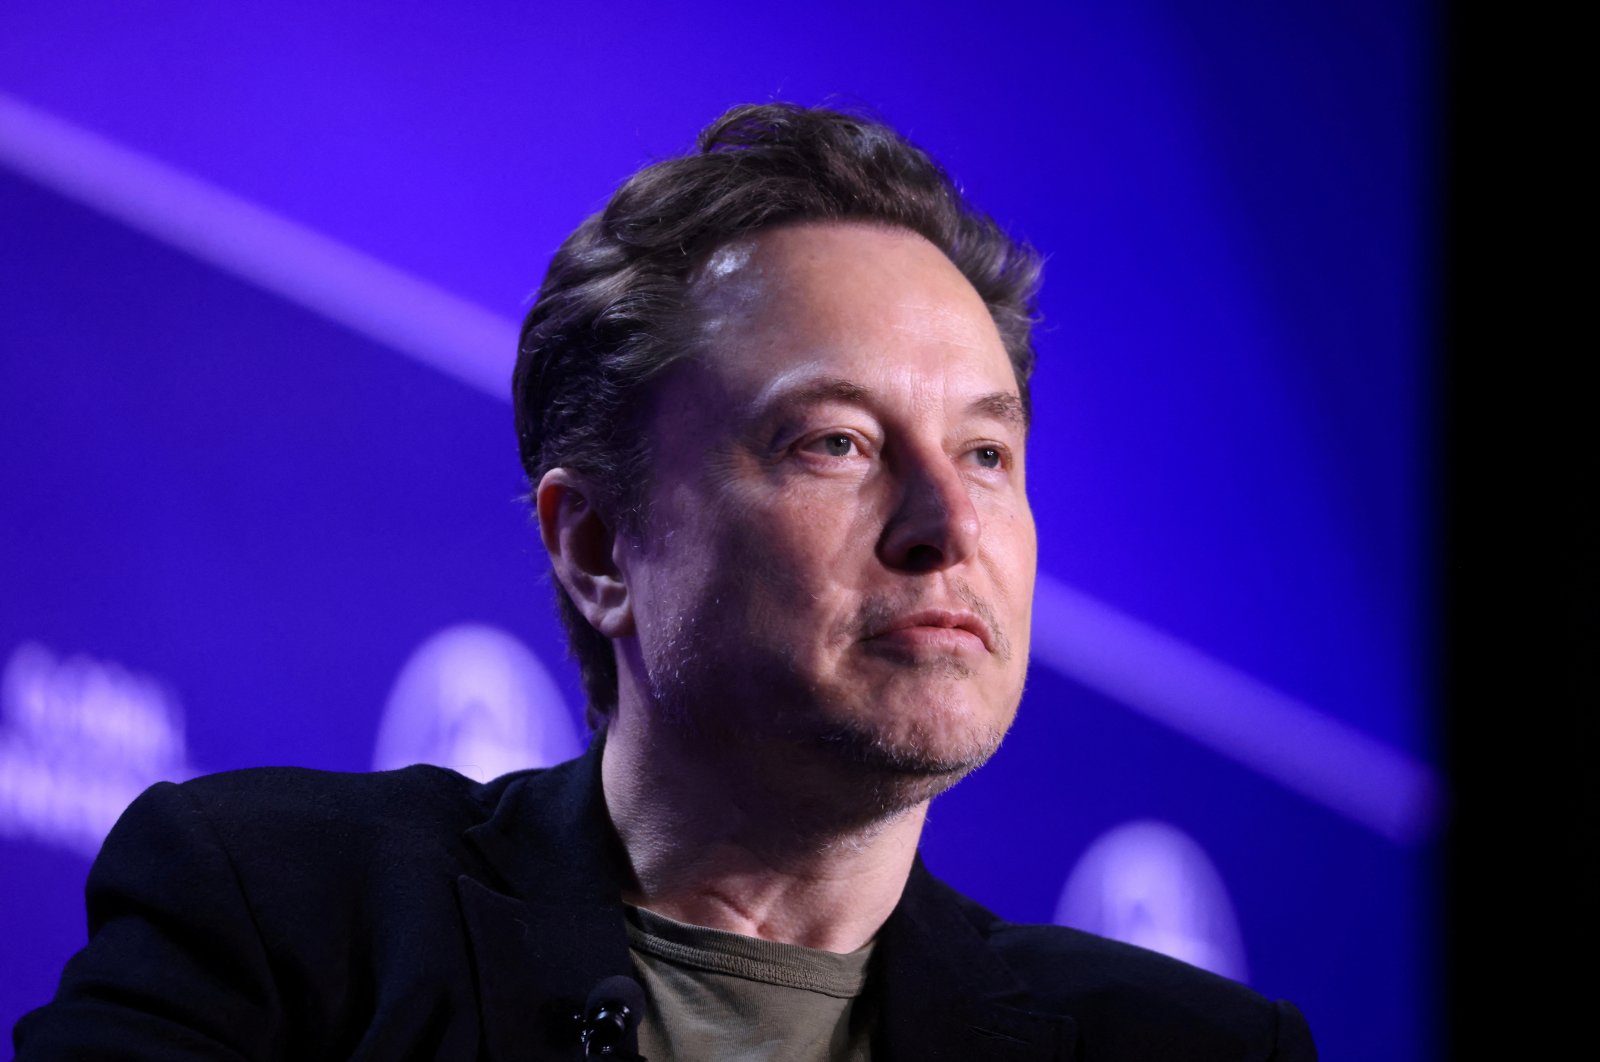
(918, 759)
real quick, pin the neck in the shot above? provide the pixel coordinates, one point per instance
(729, 839)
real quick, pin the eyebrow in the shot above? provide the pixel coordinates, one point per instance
(1004, 406)
(823, 389)
(1000, 405)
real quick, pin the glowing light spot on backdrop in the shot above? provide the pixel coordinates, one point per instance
(475, 699)
(1151, 884)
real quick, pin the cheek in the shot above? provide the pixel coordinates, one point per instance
(815, 537)
(1010, 529)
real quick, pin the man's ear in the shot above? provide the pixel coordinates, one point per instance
(581, 543)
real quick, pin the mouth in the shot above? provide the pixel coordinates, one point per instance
(937, 629)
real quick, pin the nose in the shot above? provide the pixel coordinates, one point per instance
(934, 524)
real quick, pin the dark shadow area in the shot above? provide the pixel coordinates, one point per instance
(1520, 688)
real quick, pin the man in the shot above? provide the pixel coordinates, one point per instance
(773, 403)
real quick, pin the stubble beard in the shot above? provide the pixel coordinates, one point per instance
(921, 762)
(895, 775)
(843, 769)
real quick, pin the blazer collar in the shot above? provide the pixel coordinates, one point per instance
(946, 994)
(548, 927)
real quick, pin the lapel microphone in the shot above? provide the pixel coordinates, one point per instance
(610, 1018)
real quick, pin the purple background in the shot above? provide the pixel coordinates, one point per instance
(210, 484)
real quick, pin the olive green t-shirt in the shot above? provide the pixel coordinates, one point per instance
(715, 995)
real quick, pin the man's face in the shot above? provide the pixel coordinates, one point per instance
(838, 553)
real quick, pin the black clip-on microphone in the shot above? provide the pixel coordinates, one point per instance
(610, 1018)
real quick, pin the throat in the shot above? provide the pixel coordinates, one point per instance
(818, 867)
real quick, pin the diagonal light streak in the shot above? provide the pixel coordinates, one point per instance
(369, 296)
(1295, 745)
(1233, 713)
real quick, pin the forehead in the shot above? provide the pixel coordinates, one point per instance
(847, 300)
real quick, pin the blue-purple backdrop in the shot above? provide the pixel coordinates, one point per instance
(258, 502)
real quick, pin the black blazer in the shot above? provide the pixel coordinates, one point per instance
(293, 914)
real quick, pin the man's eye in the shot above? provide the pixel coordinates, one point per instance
(836, 445)
(988, 457)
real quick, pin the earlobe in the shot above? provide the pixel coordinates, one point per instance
(581, 543)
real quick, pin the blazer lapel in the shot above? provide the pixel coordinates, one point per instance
(946, 995)
(549, 926)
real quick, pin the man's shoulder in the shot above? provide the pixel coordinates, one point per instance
(304, 794)
(1136, 999)
(278, 819)
(289, 799)
(1070, 964)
